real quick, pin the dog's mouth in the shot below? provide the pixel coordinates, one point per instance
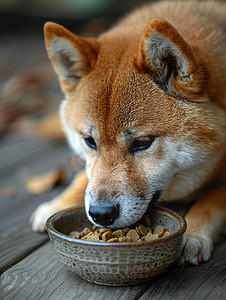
(107, 215)
(156, 196)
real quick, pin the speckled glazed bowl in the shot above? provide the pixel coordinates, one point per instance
(115, 264)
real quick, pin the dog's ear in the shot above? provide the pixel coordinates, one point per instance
(171, 62)
(72, 56)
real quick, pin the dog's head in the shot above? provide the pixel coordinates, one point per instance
(138, 110)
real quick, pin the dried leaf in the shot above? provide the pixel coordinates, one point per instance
(21, 95)
(25, 93)
(8, 191)
(45, 182)
(50, 127)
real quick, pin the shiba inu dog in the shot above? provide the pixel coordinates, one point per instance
(145, 106)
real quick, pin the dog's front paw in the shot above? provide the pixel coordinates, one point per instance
(197, 249)
(40, 215)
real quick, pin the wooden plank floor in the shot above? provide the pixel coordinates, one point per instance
(29, 267)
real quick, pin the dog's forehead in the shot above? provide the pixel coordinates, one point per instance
(120, 95)
(119, 105)
(117, 100)
(116, 108)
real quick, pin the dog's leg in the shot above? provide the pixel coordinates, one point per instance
(205, 220)
(73, 195)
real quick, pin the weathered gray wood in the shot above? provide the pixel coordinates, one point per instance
(19, 210)
(16, 237)
(41, 276)
(206, 281)
(30, 155)
(16, 146)
(37, 163)
(17, 242)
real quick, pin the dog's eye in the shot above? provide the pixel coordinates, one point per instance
(141, 143)
(90, 142)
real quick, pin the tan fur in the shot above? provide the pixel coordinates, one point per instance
(160, 72)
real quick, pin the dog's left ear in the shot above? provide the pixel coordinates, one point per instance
(171, 62)
(72, 56)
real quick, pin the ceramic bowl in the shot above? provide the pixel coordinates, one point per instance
(115, 264)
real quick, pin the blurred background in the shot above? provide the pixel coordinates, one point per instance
(27, 82)
(31, 143)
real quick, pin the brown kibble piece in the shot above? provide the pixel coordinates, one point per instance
(92, 237)
(137, 230)
(112, 240)
(94, 227)
(107, 235)
(118, 233)
(125, 230)
(75, 234)
(102, 230)
(85, 232)
(151, 236)
(125, 239)
(133, 234)
(87, 235)
(143, 230)
(97, 231)
(159, 230)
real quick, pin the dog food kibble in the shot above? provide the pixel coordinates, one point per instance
(75, 234)
(159, 230)
(143, 231)
(85, 232)
(133, 234)
(118, 233)
(107, 235)
(113, 240)
(151, 236)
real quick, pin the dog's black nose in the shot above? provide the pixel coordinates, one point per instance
(104, 214)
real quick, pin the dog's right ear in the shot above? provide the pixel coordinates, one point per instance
(72, 56)
(173, 65)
